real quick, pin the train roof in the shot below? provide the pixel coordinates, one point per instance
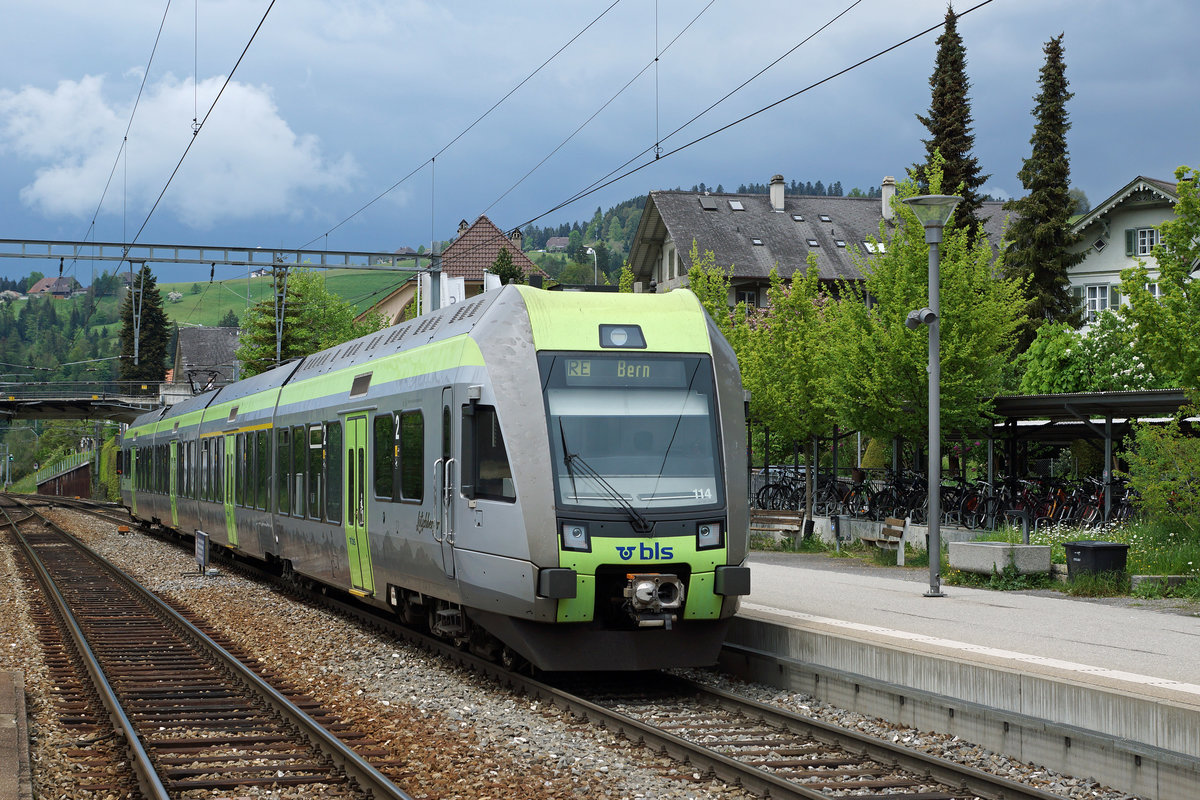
(672, 322)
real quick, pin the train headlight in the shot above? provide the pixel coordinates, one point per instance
(574, 536)
(709, 535)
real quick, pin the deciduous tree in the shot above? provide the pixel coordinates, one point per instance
(314, 319)
(1168, 327)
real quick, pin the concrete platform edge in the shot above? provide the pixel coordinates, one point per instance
(1029, 717)
(16, 779)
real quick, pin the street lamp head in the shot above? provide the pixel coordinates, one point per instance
(589, 251)
(933, 210)
(919, 317)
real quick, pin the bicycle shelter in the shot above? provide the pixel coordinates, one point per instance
(1061, 418)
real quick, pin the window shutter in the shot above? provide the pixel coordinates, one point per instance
(1114, 297)
(1077, 296)
(1130, 241)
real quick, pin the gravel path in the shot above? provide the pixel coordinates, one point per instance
(463, 736)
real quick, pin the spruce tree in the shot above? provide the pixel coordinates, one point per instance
(1040, 236)
(949, 123)
(153, 332)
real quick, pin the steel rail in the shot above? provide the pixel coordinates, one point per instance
(143, 769)
(369, 778)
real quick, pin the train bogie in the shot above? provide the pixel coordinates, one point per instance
(559, 476)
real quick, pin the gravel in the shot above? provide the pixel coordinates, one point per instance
(457, 734)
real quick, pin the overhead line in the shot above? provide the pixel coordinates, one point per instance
(129, 125)
(464, 132)
(652, 63)
(595, 188)
(196, 130)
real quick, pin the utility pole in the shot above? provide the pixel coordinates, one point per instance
(280, 307)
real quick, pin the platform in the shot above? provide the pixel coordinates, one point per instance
(1102, 689)
(15, 779)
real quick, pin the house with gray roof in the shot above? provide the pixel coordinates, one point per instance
(204, 357)
(1116, 234)
(753, 233)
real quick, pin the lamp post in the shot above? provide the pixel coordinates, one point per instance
(933, 211)
(595, 266)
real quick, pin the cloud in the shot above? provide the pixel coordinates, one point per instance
(247, 163)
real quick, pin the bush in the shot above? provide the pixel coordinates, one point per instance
(1164, 470)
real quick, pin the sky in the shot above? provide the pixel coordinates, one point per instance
(377, 124)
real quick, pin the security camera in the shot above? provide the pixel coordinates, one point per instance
(919, 317)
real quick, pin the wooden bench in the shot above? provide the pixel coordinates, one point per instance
(890, 537)
(776, 524)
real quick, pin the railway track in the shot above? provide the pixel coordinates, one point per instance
(767, 750)
(192, 716)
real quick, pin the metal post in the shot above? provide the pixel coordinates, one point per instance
(1108, 439)
(933, 235)
(435, 280)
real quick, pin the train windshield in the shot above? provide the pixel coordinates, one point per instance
(635, 432)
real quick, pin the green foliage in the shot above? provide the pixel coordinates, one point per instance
(1040, 239)
(1102, 357)
(195, 288)
(230, 320)
(153, 333)
(1168, 328)
(1099, 584)
(877, 378)
(314, 319)
(1164, 469)
(625, 285)
(1005, 580)
(504, 267)
(949, 125)
(110, 481)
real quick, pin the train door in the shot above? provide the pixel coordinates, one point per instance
(358, 546)
(231, 477)
(174, 482)
(443, 476)
(133, 479)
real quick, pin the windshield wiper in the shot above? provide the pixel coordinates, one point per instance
(640, 523)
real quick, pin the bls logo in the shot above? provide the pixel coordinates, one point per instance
(656, 552)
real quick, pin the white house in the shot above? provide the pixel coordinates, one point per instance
(1116, 234)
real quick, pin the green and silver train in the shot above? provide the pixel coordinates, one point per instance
(558, 477)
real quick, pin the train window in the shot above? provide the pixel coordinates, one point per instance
(315, 469)
(263, 468)
(219, 469)
(241, 461)
(412, 455)
(203, 465)
(180, 465)
(333, 472)
(283, 469)
(299, 454)
(385, 455)
(493, 475)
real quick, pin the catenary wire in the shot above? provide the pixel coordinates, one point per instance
(196, 130)
(466, 130)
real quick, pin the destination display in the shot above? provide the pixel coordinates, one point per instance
(649, 372)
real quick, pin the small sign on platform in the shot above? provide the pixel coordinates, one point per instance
(202, 550)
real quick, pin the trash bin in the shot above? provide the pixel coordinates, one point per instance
(1091, 557)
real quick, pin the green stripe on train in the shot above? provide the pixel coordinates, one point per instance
(673, 322)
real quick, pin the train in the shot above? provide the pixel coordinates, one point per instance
(555, 479)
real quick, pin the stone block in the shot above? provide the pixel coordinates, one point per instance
(988, 557)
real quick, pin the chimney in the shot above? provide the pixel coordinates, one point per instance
(462, 227)
(777, 193)
(888, 190)
(515, 237)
